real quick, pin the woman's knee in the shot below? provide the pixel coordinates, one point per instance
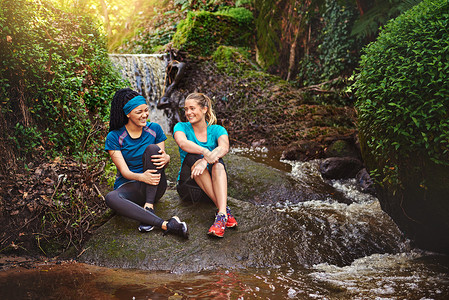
(111, 198)
(218, 167)
(190, 159)
(152, 149)
(219, 171)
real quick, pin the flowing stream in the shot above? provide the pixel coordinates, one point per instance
(405, 274)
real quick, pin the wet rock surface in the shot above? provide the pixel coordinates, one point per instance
(265, 237)
(340, 167)
(264, 185)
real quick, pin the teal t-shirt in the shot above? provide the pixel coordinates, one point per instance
(133, 149)
(213, 133)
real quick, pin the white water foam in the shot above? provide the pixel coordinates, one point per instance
(385, 276)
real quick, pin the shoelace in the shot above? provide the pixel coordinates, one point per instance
(220, 219)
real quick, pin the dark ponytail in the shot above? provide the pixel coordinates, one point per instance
(117, 117)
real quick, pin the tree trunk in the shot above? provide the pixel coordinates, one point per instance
(291, 64)
(363, 6)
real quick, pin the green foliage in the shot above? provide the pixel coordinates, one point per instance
(26, 138)
(151, 42)
(109, 174)
(202, 32)
(338, 52)
(403, 90)
(379, 14)
(154, 33)
(56, 78)
(268, 29)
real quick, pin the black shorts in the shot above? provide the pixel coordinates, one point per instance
(187, 187)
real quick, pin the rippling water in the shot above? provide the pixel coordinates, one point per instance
(407, 274)
(410, 275)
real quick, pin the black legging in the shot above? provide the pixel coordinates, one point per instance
(129, 198)
(187, 187)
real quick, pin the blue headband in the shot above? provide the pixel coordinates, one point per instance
(133, 103)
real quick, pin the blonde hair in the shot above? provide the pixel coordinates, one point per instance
(204, 101)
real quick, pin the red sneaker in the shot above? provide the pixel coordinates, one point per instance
(231, 222)
(218, 228)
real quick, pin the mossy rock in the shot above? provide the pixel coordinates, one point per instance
(264, 238)
(343, 148)
(171, 171)
(202, 32)
(233, 60)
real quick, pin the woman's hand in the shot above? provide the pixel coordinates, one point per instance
(199, 167)
(150, 177)
(211, 156)
(160, 160)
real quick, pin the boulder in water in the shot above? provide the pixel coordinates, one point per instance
(340, 167)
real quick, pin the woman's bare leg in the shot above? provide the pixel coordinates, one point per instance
(204, 181)
(220, 187)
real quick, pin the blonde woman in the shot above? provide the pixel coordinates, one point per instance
(202, 145)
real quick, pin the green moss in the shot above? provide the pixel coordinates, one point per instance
(171, 171)
(202, 32)
(243, 16)
(232, 60)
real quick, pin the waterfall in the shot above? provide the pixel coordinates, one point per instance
(146, 75)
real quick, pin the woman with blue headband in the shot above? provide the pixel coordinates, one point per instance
(137, 148)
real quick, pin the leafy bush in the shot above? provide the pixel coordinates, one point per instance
(403, 91)
(56, 79)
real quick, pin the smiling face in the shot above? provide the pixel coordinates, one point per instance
(194, 112)
(139, 115)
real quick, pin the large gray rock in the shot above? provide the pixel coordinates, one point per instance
(263, 185)
(265, 238)
(421, 206)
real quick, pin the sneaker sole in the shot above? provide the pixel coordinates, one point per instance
(185, 233)
(215, 234)
(143, 231)
(232, 226)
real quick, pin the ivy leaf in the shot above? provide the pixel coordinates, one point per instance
(80, 51)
